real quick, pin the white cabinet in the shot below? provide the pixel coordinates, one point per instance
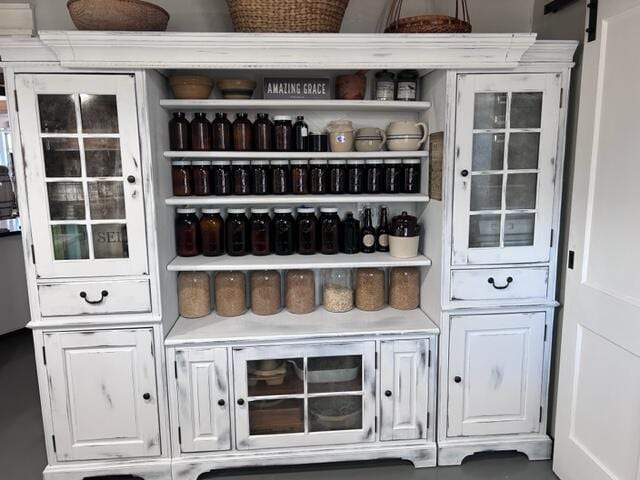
(404, 378)
(505, 167)
(83, 174)
(102, 387)
(203, 399)
(495, 373)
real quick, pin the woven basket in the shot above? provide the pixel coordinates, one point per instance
(287, 16)
(428, 23)
(124, 15)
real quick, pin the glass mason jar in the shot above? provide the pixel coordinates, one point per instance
(265, 292)
(201, 134)
(329, 238)
(393, 175)
(300, 296)
(201, 171)
(280, 183)
(179, 132)
(407, 88)
(319, 176)
(261, 231)
(283, 232)
(404, 288)
(337, 290)
(375, 175)
(194, 294)
(337, 176)
(187, 232)
(181, 178)
(385, 86)
(260, 177)
(211, 232)
(230, 293)
(306, 230)
(355, 176)
(299, 176)
(241, 171)
(221, 128)
(263, 133)
(237, 232)
(411, 180)
(282, 133)
(242, 129)
(221, 177)
(370, 289)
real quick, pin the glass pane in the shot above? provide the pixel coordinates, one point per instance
(489, 110)
(334, 374)
(110, 240)
(275, 377)
(106, 200)
(99, 113)
(521, 190)
(484, 231)
(269, 417)
(70, 242)
(66, 201)
(57, 114)
(526, 110)
(523, 150)
(488, 151)
(102, 156)
(519, 229)
(61, 157)
(335, 413)
(486, 192)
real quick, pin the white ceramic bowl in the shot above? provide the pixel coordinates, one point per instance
(403, 247)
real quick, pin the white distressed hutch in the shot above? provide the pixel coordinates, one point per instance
(128, 387)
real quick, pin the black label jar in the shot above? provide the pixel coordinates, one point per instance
(261, 231)
(355, 176)
(221, 129)
(280, 177)
(337, 176)
(260, 177)
(300, 135)
(201, 177)
(242, 133)
(375, 177)
(187, 232)
(306, 230)
(181, 178)
(319, 176)
(411, 181)
(283, 232)
(350, 234)
(237, 232)
(407, 88)
(393, 175)
(263, 133)
(201, 134)
(329, 238)
(179, 132)
(318, 142)
(211, 232)
(282, 133)
(221, 177)
(385, 86)
(241, 177)
(300, 176)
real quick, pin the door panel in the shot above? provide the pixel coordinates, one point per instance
(103, 394)
(495, 373)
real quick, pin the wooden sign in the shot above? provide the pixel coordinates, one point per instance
(296, 88)
(436, 145)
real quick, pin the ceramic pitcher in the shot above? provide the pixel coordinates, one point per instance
(406, 136)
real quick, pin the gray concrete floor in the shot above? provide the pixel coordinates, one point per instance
(22, 455)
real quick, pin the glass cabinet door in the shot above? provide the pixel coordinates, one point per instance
(80, 136)
(304, 395)
(505, 165)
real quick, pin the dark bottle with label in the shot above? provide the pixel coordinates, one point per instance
(283, 232)
(211, 232)
(261, 231)
(382, 232)
(407, 86)
(242, 133)
(350, 234)
(201, 133)
(179, 132)
(237, 232)
(187, 232)
(300, 135)
(367, 234)
(221, 129)
(306, 230)
(263, 133)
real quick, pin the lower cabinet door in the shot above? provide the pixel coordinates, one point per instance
(203, 399)
(103, 394)
(404, 389)
(495, 373)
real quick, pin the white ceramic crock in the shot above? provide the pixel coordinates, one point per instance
(406, 136)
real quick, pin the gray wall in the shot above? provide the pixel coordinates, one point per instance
(14, 306)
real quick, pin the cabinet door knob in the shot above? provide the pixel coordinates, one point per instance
(221, 402)
(388, 393)
(464, 172)
(457, 379)
(103, 294)
(240, 401)
(131, 179)
(146, 396)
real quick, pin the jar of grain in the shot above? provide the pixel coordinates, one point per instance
(404, 288)
(231, 296)
(370, 289)
(265, 292)
(300, 288)
(337, 291)
(194, 298)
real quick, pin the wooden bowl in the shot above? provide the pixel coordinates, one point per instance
(127, 15)
(191, 86)
(237, 89)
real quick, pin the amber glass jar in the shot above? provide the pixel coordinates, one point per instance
(179, 132)
(283, 232)
(318, 176)
(194, 294)
(337, 176)
(221, 177)
(306, 230)
(329, 238)
(187, 232)
(260, 177)
(242, 133)
(282, 133)
(299, 176)
(355, 176)
(230, 293)
(261, 231)
(370, 289)
(300, 286)
(237, 232)
(181, 178)
(201, 171)
(263, 133)
(280, 182)
(404, 288)
(411, 180)
(266, 297)
(221, 128)
(201, 133)
(241, 171)
(211, 232)
(374, 176)
(393, 175)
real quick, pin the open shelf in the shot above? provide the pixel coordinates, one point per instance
(288, 155)
(298, 105)
(296, 261)
(326, 199)
(250, 327)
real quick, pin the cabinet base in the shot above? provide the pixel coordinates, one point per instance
(454, 451)
(189, 468)
(145, 469)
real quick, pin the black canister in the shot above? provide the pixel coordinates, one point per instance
(221, 177)
(260, 177)
(261, 231)
(329, 238)
(241, 177)
(393, 175)
(318, 142)
(280, 181)
(355, 176)
(306, 230)
(374, 176)
(283, 232)
(237, 232)
(337, 176)
(411, 181)
(350, 234)
(318, 176)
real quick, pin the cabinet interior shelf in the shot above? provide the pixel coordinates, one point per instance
(298, 105)
(293, 155)
(250, 327)
(219, 201)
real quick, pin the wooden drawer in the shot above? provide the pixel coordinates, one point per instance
(87, 298)
(499, 284)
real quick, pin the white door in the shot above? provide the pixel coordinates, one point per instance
(505, 167)
(103, 394)
(203, 399)
(597, 432)
(404, 379)
(82, 167)
(495, 373)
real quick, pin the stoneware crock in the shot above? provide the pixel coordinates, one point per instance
(370, 139)
(406, 136)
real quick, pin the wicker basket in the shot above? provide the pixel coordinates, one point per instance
(428, 23)
(287, 16)
(127, 15)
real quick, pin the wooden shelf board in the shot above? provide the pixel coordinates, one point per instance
(219, 201)
(289, 155)
(317, 105)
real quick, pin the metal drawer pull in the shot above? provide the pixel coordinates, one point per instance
(502, 287)
(103, 294)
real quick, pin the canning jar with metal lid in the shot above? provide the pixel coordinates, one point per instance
(187, 232)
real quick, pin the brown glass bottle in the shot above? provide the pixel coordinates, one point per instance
(187, 232)
(282, 133)
(241, 171)
(201, 172)
(306, 230)
(329, 237)
(211, 232)
(299, 176)
(367, 234)
(263, 133)
(221, 129)
(260, 177)
(319, 176)
(179, 132)
(237, 236)
(201, 133)
(261, 231)
(382, 232)
(242, 133)
(221, 178)
(280, 181)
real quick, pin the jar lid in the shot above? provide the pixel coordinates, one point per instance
(374, 161)
(180, 162)
(259, 162)
(392, 160)
(185, 210)
(242, 162)
(201, 162)
(299, 162)
(259, 210)
(221, 162)
(282, 118)
(237, 211)
(210, 210)
(306, 210)
(282, 210)
(355, 162)
(318, 161)
(279, 162)
(328, 210)
(337, 162)
(412, 161)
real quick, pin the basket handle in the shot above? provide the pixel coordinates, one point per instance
(396, 7)
(465, 10)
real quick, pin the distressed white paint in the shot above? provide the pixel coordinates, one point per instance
(260, 105)
(293, 155)
(16, 19)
